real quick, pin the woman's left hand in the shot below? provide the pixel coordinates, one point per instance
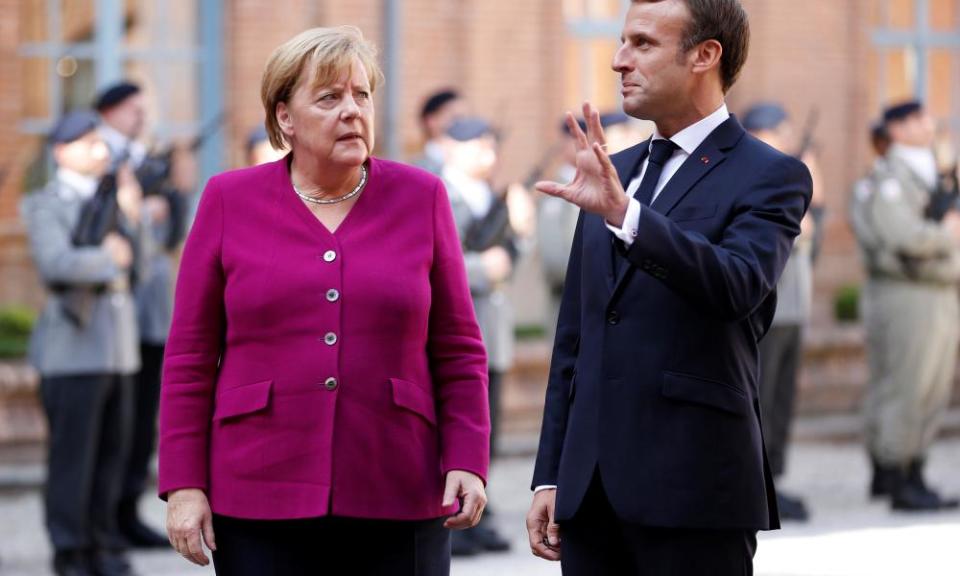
(469, 487)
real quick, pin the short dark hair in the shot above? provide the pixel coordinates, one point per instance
(724, 21)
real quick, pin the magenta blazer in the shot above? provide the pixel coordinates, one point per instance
(311, 373)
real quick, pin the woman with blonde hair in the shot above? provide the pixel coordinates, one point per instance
(324, 400)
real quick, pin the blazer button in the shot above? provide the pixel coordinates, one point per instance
(330, 384)
(333, 295)
(330, 339)
(613, 317)
(329, 256)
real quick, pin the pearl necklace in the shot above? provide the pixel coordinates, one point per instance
(356, 190)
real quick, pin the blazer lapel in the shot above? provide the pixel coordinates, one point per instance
(705, 158)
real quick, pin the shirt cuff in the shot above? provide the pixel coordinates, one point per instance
(544, 487)
(631, 222)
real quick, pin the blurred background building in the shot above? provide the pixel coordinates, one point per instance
(521, 64)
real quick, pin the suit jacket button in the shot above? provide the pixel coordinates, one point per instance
(330, 338)
(333, 295)
(613, 317)
(330, 384)
(329, 256)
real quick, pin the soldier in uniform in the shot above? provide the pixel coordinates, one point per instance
(85, 348)
(781, 349)
(122, 110)
(490, 249)
(910, 310)
(439, 110)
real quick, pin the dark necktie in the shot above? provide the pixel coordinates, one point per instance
(660, 152)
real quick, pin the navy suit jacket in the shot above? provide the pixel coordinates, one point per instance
(654, 371)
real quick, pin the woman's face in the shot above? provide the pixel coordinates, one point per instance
(333, 123)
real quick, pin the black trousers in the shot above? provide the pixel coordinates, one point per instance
(780, 353)
(146, 403)
(331, 546)
(89, 421)
(493, 397)
(595, 542)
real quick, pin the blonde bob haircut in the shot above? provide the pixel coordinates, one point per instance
(329, 52)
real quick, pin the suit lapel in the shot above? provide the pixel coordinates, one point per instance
(704, 159)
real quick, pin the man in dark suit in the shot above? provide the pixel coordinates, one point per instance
(651, 457)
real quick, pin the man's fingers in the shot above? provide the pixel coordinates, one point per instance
(538, 544)
(604, 159)
(553, 533)
(594, 129)
(552, 189)
(577, 133)
(208, 535)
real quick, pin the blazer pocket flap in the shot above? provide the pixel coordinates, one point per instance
(711, 393)
(685, 213)
(245, 399)
(411, 396)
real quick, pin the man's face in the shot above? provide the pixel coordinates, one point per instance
(437, 123)
(87, 155)
(655, 77)
(475, 158)
(917, 130)
(128, 117)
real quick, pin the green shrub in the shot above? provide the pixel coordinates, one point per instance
(846, 304)
(16, 323)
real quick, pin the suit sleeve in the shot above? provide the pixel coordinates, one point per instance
(733, 277)
(193, 352)
(565, 349)
(56, 258)
(457, 358)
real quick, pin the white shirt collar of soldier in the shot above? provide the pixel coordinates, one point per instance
(475, 193)
(688, 140)
(920, 159)
(75, 185)
(118, 142)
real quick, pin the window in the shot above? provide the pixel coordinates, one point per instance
(918, 56)
(71, 48)
(593, 32)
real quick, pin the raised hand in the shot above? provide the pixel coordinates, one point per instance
(596, 187)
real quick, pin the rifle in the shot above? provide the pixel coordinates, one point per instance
(809, 128)
(945, 196)
(155, 169)
(100, 214)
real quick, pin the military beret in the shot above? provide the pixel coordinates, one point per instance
(438, 100)
(73, 126)
(901, 111)
(114, 95)
(469, 128)
(764, 116)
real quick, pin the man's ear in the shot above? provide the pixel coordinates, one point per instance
(706, 56)
(283, 119)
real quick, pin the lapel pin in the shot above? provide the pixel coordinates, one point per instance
(704, 159)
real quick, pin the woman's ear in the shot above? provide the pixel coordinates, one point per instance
(283, 119)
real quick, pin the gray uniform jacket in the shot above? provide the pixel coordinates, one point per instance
(108, 343)
(901, 244)
(154, 292)
(494, 313)
(795, 287)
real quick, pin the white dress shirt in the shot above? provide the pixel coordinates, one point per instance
(687, 140)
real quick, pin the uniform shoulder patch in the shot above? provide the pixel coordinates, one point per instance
(890, 190)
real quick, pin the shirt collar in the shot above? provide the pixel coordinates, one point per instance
(691, 137)
(75, 185)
